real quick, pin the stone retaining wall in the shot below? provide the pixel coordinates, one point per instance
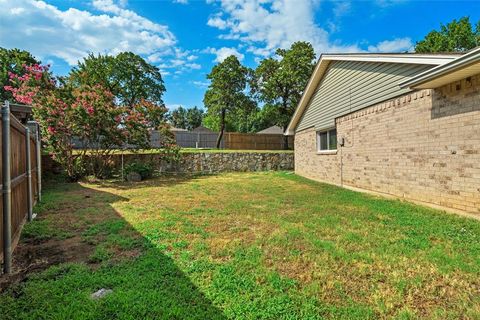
(207, 162)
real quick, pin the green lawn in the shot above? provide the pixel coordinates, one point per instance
(244, 246)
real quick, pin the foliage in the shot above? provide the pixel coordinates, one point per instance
(127, 76)
(186, 118)
(13, 61)
(243, 118)
(279, 83)
(87, 112)
(226, 92)
(178, 117)
(456, 36)
(194, 118)
(144, 169)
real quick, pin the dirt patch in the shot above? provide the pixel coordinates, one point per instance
(35, 256)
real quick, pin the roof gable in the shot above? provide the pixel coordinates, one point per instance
(326, 59)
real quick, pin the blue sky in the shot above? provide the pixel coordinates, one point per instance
(185, 38)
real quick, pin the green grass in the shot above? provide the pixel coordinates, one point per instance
(249, 246)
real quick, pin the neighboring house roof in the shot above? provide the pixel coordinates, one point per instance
(202, 129)
(460, 68)
(177, 129)
(325, 59)
(271, 130)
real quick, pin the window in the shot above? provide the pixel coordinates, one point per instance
(327, 140)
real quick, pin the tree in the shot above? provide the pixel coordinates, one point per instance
(194, 118)
(279, 83)
(456, 36)
(226, 92)
(12, 61)
(243, 118)
(127, 76)
(178, 117)
(86, 112)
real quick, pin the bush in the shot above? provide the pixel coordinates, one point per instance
(145, 170)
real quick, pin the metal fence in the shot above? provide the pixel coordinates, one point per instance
(188, 139)
(232, 140)
(20, 176)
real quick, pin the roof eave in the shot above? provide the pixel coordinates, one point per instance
(325, 59)
(465, 61)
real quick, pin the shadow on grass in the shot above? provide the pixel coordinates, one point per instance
(82, 245)
(161, 180)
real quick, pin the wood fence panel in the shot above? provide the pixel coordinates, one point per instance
(253, 141)
(19, 178)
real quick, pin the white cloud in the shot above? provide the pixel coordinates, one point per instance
(267, 25)
(181, 1)
(71, 34)
(388, 3)
(341, 8)
(224, 53)
(201, 84)
(396, 45)
(218, 22)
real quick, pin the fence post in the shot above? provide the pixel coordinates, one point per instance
(6, 189)
(29, 174)
(38, 152)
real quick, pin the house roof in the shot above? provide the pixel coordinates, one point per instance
(174, 129)
(271, 130)
(202, 129)
(462, 67)
(325, 59)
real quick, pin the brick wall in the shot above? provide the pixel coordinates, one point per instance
(422, 146)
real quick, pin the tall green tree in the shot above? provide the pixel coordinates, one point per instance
(178, 118)
(127, 76)
(279, 83)
(12, 61)
(456, 36)
(194, 118)
(226, 92)
(186, 118)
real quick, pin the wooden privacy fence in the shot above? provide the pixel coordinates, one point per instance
(20, 176)
(231, 140)
(254, 141)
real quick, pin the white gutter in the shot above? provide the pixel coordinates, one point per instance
(441, 70)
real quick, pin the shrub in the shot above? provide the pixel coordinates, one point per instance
(145, 170)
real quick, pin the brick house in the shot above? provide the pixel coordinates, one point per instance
(406, 125)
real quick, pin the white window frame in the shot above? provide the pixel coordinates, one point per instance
(325, 151)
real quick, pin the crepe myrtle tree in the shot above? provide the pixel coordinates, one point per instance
(13, 61)
(87, 112)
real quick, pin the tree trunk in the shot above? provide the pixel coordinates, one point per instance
(222, 128)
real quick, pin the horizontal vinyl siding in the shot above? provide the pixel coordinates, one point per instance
(351, 85)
